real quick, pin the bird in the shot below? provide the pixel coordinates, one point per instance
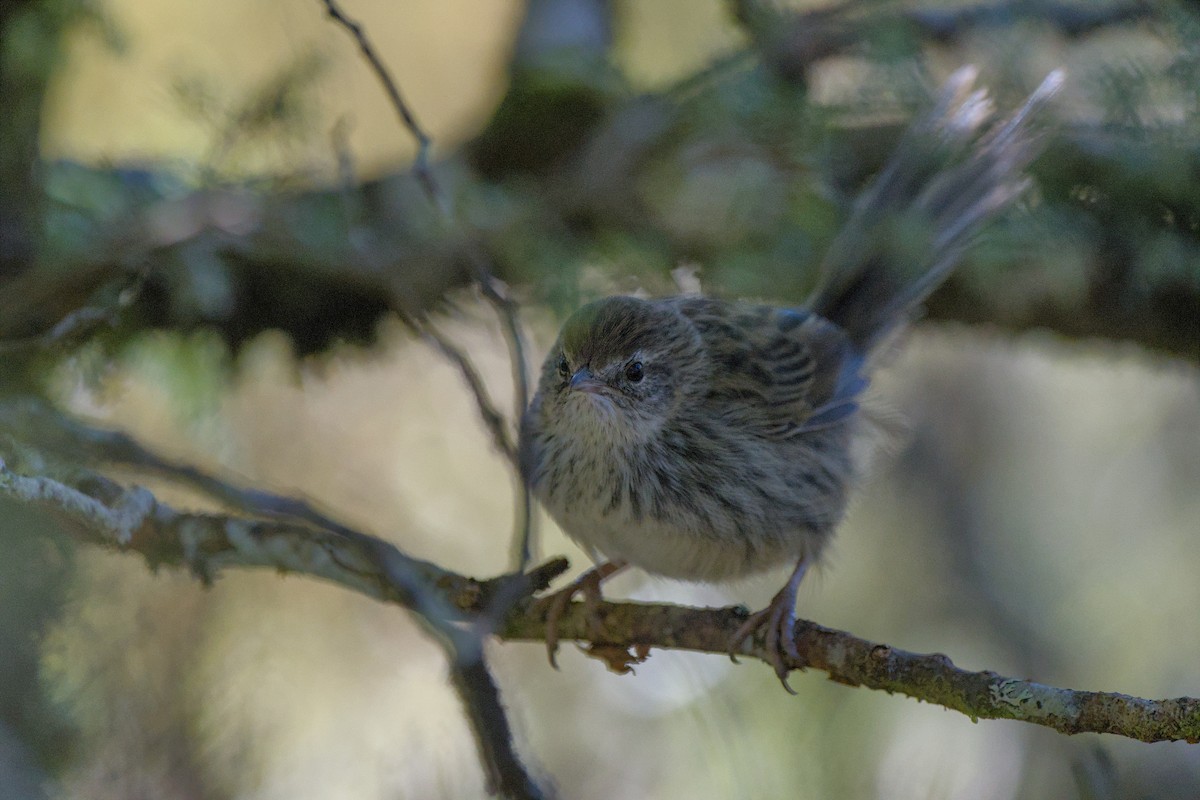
(708, 439)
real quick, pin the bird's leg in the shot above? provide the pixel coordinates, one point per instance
(779, 619)
(587, 584)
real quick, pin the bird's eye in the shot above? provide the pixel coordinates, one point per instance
(564, 369)
(634, 371)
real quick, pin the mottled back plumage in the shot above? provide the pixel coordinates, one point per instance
(910, 229)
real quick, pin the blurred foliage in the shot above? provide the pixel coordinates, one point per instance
(746, 165)
(271, 113)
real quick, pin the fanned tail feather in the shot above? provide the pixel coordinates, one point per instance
(954, 170)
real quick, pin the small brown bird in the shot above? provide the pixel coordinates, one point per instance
(705, 439)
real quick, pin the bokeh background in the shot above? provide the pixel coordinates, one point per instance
(1040, 516)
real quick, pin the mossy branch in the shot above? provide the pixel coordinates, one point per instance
(102, 513)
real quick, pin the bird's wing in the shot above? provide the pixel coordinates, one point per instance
(776, 372)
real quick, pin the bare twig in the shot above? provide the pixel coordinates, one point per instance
(506, 774)
(421, 166)
(493, 420)
(134, 521)
(497, 293)
(470, 677)
(50, 430)
(79, 324)
(524, 524)
(493, 289)
(109, 515)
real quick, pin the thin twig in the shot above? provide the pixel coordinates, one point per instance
(495, 422)
(524, 525)
(497, 293)
(421, 166)
(78, 325)
(470, 676)
(506, 774)
(491, 287)
(70, 439)
(492, 419)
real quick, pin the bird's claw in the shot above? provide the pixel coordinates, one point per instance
(778, 623)
(556, 604)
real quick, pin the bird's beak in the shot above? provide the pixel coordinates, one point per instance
(584, 381)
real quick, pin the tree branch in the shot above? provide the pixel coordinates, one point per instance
(132, 520)
(102, 513)
(391, 259)
(505, 772)
(850, 660)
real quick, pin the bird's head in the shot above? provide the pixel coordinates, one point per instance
(621, 366)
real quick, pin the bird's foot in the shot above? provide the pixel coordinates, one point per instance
(778, 622)
(588, 585)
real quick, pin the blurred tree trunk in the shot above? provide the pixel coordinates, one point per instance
(29, 49)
